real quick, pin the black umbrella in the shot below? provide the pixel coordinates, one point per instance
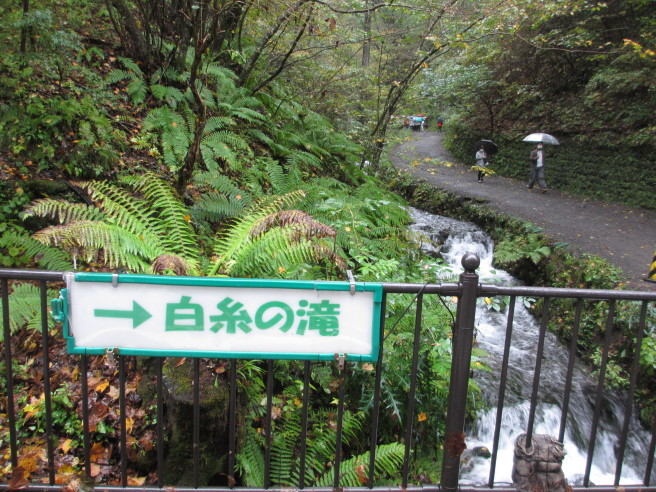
(489, 146)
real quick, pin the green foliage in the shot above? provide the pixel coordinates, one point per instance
(69, 131)
(51, 112)
(584, 272)
(18, 249)
(304, 138)
(12, 200)
(220, 198)
(65, 420)
(370, 223)
(123, 230)
(529, 246)
(648, 355)
(615, 377)
(175, 130)
(137, 87)
(25, 309)
(172, 224)
(171, 130)
(267, 232)
(320, 452)
(433, 374)
(353, 471)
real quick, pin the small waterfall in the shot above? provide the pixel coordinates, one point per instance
(458, 238)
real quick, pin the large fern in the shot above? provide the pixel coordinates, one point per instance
(320, 453)
(355, 471)
(126, 229)
(366, 220)
(25, 308)
(220, 198)
(172, 220)
(265, 240)
(220, 146)
(137, 87)
(101, 242)
(47, 257)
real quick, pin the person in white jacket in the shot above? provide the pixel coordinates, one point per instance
(481, 162)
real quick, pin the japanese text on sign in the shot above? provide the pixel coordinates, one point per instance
(321, 316)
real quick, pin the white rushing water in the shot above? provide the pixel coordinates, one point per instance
(459, 238)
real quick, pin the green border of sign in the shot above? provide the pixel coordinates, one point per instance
(60, 312)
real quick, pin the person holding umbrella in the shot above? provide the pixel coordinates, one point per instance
(481, 162)
(537, 169)
(485, 148)
(537, 159)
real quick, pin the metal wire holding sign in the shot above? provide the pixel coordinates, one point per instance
(414, 299)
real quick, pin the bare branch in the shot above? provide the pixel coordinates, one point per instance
(267, 38)
(373, 8)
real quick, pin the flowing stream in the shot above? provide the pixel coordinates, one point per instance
(458, 238)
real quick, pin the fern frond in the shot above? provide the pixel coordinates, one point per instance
(322, 441)
(175, 145)
(281, 248)
(131, 65)
(289, 139)
(247, 114)
(118, 75)
(250, 460)
(282, 181)
(221, 144)
(25, 308)
(213, 150)
(163, 118)
(171, 95)
(227, 246)
(62, 211)
(121, 208)
(218, 123)
(220, 74)
(173, 264)
(354, 471)
(47, 257)
(224, 200)
(223, 184)
(87, 239)
(304, 225)
(215, 207)
(173, 226)
(228, 138)
(137, 90)
(258, 134)
(302, 159)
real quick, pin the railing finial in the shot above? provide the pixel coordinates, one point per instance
(470, 262)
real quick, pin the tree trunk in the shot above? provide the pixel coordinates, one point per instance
(137, 45)
(186, 172)
(24, 30)
(366, 46)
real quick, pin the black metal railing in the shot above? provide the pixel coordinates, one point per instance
(468, 290)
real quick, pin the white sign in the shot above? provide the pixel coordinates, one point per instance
(185, 316)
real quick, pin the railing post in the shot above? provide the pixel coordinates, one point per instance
(463, 335)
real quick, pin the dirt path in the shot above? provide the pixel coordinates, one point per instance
(624, 236)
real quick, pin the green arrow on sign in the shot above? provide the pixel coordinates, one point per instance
(138, 314)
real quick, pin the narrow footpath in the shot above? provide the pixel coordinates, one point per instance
(624, 236)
